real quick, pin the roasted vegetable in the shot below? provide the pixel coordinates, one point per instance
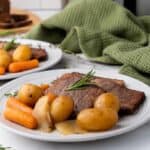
(20, 118)
(2, 70)
(23, 65)
(97, 119)
(42, 114)
(29, 94)
(17, 104)
(108, 100)
(3, 52)
(5, 59)
(61, 108)
(19, 113)
(22, 53)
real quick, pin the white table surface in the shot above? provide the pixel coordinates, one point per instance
(138, 139)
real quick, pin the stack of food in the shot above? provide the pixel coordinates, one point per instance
(74, 103)
(8, 20)
(15, 57)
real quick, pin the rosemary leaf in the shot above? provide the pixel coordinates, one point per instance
(10, 45)
(83, 82)
(11, 94)
(4, 148)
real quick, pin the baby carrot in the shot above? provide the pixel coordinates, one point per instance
(2, 70)
(23, 65)
(20, 118)
(14, 103)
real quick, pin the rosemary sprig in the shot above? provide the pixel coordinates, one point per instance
(83, 82)
(10, 45)
(4, 148)
(11, 94)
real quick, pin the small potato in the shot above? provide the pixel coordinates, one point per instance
(94, 119)
(5, 59)
(29, 94)
(2, 51)
(22, 53)
(61, 108)
(108, 100)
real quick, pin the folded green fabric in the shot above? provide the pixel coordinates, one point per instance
(104, 31)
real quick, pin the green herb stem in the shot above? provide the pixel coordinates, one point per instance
(10, 45)
(4, 148)
(83, 82)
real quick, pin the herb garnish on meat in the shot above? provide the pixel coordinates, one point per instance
(83, 82)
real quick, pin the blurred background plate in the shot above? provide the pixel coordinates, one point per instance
(54, 55)
(33, 17)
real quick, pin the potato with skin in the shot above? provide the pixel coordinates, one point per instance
(108, 100)
(3, 51)
(97, 119)
(5, 59)
(29, 94)
(22, 53)
(61, 108)
(42, 114)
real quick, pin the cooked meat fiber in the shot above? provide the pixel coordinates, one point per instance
(39, 53)
(130, 99)
(84, 98)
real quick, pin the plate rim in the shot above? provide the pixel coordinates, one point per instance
(109, 135)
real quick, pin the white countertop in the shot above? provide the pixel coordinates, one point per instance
(138, 139)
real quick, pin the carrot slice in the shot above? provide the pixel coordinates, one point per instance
(23, 65)
(14, 103)
(2, 70)
(20, 118)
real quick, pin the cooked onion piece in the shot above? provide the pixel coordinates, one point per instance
(41, 112)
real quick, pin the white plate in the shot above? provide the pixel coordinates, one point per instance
(54, 56)
(126, 124)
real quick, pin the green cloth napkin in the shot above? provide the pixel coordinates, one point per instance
(104, 31)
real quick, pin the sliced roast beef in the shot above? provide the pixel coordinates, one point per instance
(84, 98)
